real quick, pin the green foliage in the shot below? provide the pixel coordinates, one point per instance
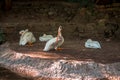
(2, 37)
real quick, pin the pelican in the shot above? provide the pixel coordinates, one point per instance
(56, 42)
(92, 44)
(45, 37)
(26, 37)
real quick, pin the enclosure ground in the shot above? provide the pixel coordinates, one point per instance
(71, 50)
(74, 50)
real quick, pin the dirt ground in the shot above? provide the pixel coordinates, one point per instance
(71, 50)
(75, 50)
(8, 75)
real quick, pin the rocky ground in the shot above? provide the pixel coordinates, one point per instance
(73, 62)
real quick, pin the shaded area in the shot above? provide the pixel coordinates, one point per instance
(38, 15)
(8, 75)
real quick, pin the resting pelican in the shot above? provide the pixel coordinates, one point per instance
(45, 37)
(92, 44)
(26, 37)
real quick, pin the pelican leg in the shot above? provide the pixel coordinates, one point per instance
(30, 44)
(58, 49)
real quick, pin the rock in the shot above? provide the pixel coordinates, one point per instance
(36, 67)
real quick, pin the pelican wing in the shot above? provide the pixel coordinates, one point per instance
(50, 44)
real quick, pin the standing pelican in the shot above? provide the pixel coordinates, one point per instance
(56, 42)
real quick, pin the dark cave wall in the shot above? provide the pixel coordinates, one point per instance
(46, 17)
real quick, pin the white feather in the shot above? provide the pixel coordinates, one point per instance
(45, 37)
(92, 44)
(26, 37)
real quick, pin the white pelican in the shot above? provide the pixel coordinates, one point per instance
(45, 37)
(26, 37)
(56, 42)
(92, 44)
